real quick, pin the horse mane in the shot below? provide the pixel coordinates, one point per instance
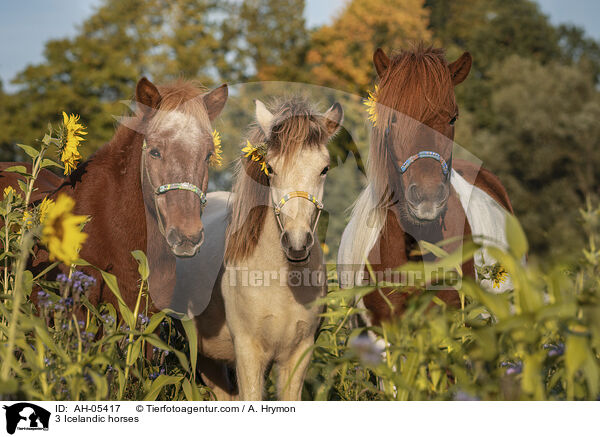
(296, 125)
(414, 89)
(184, 96)
(178, 95)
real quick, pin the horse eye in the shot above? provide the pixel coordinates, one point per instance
(155, 153)
(453, 120)
(210, 155)
(325, 170)
(270, 170)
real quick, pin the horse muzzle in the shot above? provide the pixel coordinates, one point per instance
(297, 246)
(426, 205)
(184, 246)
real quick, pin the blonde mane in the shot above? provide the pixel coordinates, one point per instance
(296, 125)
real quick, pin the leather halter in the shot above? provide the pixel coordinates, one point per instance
(186, 186)
(298, 194)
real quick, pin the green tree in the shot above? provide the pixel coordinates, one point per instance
(543, 145)
(271, 40)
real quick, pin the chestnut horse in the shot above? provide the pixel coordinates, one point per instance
(144, 189)
(416, 190)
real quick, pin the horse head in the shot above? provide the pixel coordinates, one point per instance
(177, 150)
(414, 136)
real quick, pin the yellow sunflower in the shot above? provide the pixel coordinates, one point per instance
(371, 104)
(498, 276)
(28, 220)
(257, 154)
(216, 160)
(45, 206)
(10, 190)
(70, 140)
(62, 232)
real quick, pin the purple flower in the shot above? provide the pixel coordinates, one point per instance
(78, 282)
(555, 350)
(143, 319)
(512, 368)
(108, 319)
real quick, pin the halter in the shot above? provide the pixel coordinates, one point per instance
(186, 186)
(425, 154)
(446, 166)
(303, 195)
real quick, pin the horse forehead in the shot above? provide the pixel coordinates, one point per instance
(179, 126)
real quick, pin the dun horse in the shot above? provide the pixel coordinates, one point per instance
(261, 312)
(145, 189)
(416, 190)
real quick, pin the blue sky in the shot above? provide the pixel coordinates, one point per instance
(26, 25)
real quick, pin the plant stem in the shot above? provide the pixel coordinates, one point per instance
(131, 329)
(26, 244)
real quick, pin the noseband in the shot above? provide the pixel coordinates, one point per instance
(425, 154)
(446, 166)
(303, 195)
(186, 186)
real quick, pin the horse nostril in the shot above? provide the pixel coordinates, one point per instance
(413, 195)
(285, 240)
(173, 237)
(309, 241)
(441, 193)
(201, 239)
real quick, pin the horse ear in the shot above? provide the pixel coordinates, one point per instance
(333, 118)
(147, 94)
(459, 69)
(381, 61)
(263, 116)
(215, 101)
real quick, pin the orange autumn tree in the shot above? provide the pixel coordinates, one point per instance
(341, 53)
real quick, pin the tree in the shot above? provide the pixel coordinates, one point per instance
(341, 53)
(91, 73)
(271, 40)
(543, 145)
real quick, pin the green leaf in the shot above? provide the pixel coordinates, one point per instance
(576, 352)
(17, 169)
(31, 151)
(517, 241)
(22, 185)
(111, 282)
(50, 163)
(142, 261)
(189, 325)
(159, 383)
